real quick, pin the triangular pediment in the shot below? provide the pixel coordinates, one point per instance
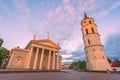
(48, 43)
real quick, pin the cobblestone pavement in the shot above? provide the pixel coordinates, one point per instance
(59, 76)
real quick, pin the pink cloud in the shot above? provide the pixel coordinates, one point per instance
(58, 10)
(55, 13)
(86, 5)
(4, 6)
(1, 18)
(68, 7)
(104, 12)
(22, 7)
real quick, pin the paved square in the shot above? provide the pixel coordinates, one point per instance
(59, 76)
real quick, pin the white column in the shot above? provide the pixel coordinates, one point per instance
(41, 59)
(36, 59)
(29, 58)
(53, 65)
(49, 59)
(60, 58)
(57, 60)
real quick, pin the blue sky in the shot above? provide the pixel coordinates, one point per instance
(21, 19)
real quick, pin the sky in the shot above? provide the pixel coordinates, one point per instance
(21, 19)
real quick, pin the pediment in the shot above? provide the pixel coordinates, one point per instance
(48, 43)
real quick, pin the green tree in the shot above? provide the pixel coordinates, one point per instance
(3, 52)
(1, 42)
(117, 62)
(109, 60)
(82, 64)
(73, 65)
(78, 65)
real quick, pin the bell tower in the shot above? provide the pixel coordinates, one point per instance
(94, 50)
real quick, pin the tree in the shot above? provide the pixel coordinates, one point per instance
(82, 64)
(3, 52)
(73, 65)
(78, 65)
(109, 60)
(117, 62)
(1, 42)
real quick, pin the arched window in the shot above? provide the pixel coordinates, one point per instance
(86, 31)
(90, 22)
(92, 30)
(88, 41)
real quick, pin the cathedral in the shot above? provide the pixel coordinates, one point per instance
(94, 50)
(37, 55)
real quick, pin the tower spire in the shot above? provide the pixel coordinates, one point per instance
(85, 15)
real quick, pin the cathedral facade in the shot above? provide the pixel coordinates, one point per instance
(94, 50)
(37, 55)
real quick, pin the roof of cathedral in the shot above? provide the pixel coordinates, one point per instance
(46, 42)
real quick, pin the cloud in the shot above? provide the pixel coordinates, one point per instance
(73, 43)
(64, 56)
(85, 5)
(55, 13)
(79, 57)
(16, 23)
(67, 61)
(112, 46)
(4, 6)
(104, 12)
(68, 7)
(107, 33)
(62, 23)
(22, 7)
(61, 20)
(1, 18)
(74, 56)
(75, 40)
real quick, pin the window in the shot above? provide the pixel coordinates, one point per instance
(88, 41)
(101, 49)
(84, 21)
(90, 22)
(86, 31)
(92, 30)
